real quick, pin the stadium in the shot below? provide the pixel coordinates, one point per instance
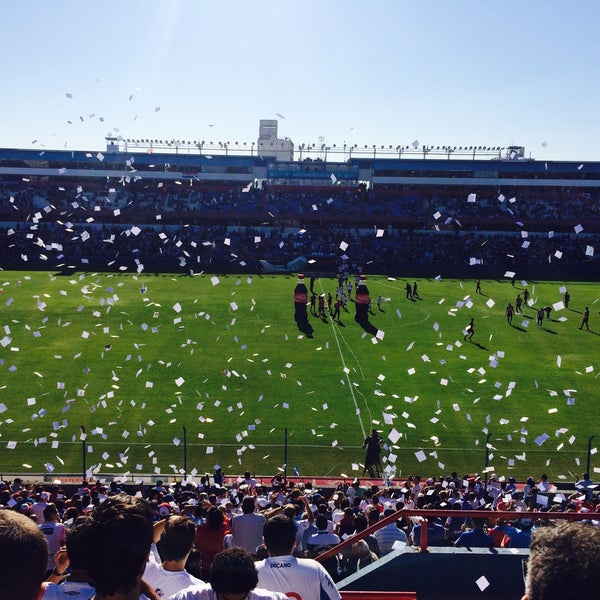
(148, 327)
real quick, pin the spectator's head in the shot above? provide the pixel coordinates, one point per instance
(50, 512)
(360, 549)
(291, 511)
(233, 573)
(177, 538)
(215, 518)
(248, 505)
(321, 522)
(373, 516)
(279, 535)
(360, 522)
(75, 543)
(564, 562)
(116, 544)
(24, 552)
(193, 564)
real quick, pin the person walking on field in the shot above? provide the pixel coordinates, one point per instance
(540, 316)
(478, 287)
(518, 302)
(509, 313)
(470, 329)
(586, 318)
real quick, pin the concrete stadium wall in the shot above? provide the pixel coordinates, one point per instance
(445, 573)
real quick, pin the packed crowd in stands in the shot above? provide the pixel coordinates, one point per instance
(410, 202)
(195, 227)
(192, 523)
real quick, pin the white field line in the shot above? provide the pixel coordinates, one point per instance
(347, 371)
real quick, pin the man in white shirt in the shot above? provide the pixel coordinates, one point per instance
(55, 532)
(323, 538)
(301, 578)
(232, 576)
(176, 542)
(75, 585)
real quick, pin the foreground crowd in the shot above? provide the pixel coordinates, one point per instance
(249, 541)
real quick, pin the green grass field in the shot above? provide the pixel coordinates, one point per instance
(135, 359)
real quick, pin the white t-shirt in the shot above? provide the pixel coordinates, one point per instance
(56, 535)
(166, 583)
(69, 590)
(301, 578)
(210, 594)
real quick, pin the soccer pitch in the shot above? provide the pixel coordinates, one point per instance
(133, 360)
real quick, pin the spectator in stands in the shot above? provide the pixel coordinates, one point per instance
(37, 508)
(389, 534)
(362, 555)
(233, 576)
(55, 532)
(586, 486)
(323, 539)
(361, 524)
(436, 533)
(247, 528)
(476, 537)
(75, 584)
(519, 535)
(23, 557)
(175, 537)
(564, 562)
(116, 543)
(283, 572)
(209, 538)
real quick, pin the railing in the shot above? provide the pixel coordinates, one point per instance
(466, 514)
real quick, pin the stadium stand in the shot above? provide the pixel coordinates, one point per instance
(163, 212)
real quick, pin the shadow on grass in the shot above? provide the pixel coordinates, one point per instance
(480, 346)
(306, 328)
(368, 327)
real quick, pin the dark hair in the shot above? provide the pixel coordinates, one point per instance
(24, 552)
(215, 518)
(177, 538)
(233, 572)
(564, 562)
(360, 522)
(279, 535)
(321, 522)
(49, 511)
(117, 542)
(75, 542)
(248, 505)
(193, 564)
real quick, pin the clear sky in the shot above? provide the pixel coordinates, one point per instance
(460, 72)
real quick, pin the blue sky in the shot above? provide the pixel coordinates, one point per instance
(387, 72)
